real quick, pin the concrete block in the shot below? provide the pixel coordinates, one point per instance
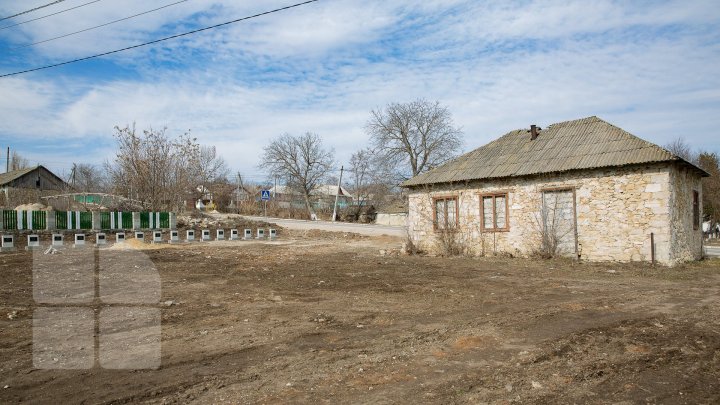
(190, 235)
(157, 237)
(220, 234)
(57, 239)
(33, 241)
(206, 235)
(140, 236)
(260, 233)
(8, 242)
(79, 239)
(234, 235)
(273, 233)
(120, 237)
(100, 239)
(248, 234)
(174, 236)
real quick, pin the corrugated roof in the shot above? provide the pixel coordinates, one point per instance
(586, 143)
(7, 177)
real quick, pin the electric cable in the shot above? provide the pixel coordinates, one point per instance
(159, 40)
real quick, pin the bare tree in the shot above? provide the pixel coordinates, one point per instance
(301, 160)
(209, 168)
(710, 162)
(153, 168)
(361, 171)
(679, 147)
(17, 162)
(414, 137)
(86, 177)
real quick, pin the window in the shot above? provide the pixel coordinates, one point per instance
(494, 209)
(696, 210)
(446, 212)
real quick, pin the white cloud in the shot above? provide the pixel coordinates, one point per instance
(649, 69)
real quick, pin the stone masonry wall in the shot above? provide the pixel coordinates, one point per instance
(685, 240)
(617, 209)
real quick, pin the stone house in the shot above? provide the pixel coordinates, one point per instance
(584, 189)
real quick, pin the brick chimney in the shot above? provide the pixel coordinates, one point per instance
(534, 132)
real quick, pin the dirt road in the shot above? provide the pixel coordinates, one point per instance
(332, 321)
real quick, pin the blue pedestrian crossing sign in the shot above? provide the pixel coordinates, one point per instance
(265, 195)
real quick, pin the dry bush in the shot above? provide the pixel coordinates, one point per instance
(449, 242)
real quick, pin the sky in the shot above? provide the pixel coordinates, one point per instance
(649, 67)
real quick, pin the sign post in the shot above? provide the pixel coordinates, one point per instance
(265, 197)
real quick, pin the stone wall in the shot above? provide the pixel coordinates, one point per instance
(685, 240)
(616, 210)
(391, 219)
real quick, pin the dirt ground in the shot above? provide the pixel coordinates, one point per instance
(319, 318)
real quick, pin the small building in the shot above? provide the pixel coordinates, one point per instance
(583, 188)
(321, 197)
(37, 178)
(27, 185)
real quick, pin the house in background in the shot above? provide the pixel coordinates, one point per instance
(322, 197)
(37, 178)
(27, 185)
(584, 188)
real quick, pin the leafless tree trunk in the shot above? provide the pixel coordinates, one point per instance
(17, 162)
(210, 168)
(680, 148)
(710, 162)
(301, 160)
(153, 168)
(414, 137)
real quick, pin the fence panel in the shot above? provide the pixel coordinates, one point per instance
(39, 219)
(85, 220)
(127, 222)
(9, 219)
(61, 220)
(144, 220)
(105, 220)
(164, 220)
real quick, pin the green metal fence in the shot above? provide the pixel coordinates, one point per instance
(105, 222)
(9, 219)
(25, 220)
(144, 220)
(71, 220)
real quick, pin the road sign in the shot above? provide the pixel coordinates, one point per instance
(265, 195)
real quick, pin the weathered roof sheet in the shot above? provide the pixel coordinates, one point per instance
(7, 177)
(586, 143)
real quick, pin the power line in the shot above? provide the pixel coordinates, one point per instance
(101, 25)
(161, 39)
(32, 9)
(49, 15)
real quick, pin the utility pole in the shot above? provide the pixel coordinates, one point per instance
(237, 193)
(337, 194)
(72, 176)
(7, 163)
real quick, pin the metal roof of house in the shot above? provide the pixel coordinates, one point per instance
(7, 177)
(586, 143)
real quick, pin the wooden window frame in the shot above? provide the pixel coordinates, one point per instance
(696, 210)
(494, 211)
(434, 210)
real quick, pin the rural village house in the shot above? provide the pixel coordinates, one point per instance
(586, 188)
